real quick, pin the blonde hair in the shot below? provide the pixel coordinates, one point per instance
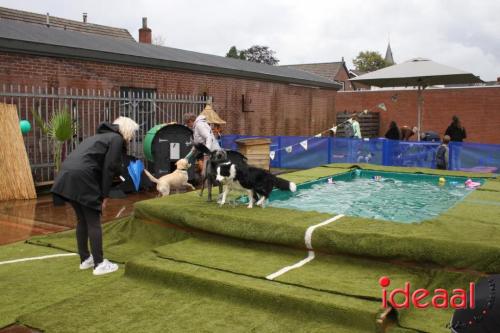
(127, 127)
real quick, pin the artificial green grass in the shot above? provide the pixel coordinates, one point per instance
(123, 238)
(32, 285)
(132, 305)
(181, 277)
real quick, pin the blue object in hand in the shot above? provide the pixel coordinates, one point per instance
(135, 169)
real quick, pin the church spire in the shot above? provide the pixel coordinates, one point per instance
(389, 60)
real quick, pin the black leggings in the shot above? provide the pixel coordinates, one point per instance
(88, 228)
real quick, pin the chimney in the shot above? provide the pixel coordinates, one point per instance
(84, 17)
(145, 32)
(47, 20)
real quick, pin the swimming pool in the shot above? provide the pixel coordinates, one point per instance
(398, 197)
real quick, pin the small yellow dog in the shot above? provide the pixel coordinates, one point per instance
(173, 181)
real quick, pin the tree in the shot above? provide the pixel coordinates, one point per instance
(234, 53)
(369, 61)
(261, 54)
(159, 40)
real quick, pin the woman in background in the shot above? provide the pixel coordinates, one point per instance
(393, 133)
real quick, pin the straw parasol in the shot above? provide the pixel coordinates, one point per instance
(212, 116)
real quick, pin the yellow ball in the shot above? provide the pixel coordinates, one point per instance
(442, 181)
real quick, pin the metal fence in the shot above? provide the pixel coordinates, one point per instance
(88, 108)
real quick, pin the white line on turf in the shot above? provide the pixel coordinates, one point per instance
(37, 258)
(310, 253)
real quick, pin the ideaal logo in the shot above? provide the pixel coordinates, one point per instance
(440, 297)
(476, 309)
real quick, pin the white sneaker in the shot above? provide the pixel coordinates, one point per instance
(105, 267)
(87, 263)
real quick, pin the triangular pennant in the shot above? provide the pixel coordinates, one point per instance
(334, 129)
(318, 135)
(272, 154)
(382, 106)
(288, 149)
(304, 144)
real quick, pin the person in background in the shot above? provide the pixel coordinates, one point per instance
(407, 133)
(85, 180)
(442, 154)
(457, 133)
(393, 133)
(202, 133)
(355, 126)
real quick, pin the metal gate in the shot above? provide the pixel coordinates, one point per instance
(88, 108)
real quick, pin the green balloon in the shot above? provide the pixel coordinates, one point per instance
(25, 126)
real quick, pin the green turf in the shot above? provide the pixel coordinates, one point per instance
(164, 296)
(192, 266)
(123, 238)
(32, 285)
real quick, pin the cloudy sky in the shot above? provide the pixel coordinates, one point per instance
(460, 33)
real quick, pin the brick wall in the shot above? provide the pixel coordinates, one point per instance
(273, 108)
(477, 107)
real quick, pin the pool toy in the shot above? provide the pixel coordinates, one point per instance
(377, 178)
(331, 181)
(471, 184)
(25, 126)
(441, 181)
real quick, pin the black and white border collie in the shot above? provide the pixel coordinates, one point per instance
(256, 181)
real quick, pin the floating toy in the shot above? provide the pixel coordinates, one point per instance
(331, 181)
(377, 178)
(25, 126)
(470, 184)
(441, 181)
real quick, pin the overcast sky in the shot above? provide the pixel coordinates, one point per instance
(459, 33)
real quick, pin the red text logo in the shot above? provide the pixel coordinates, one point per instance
(440, 298)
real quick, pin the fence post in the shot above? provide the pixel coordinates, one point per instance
(330, 148)
(386, 152)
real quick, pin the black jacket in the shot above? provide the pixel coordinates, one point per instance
(456, 133)
(86, 175)
(393, 134)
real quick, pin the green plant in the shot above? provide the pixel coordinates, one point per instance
(59, 128)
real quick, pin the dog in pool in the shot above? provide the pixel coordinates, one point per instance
(255, 181)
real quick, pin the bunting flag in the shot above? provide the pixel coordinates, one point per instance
(304, 144)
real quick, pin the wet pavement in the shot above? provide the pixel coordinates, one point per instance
(22, 219)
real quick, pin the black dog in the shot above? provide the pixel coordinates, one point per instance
(254, 180)
(216, 158)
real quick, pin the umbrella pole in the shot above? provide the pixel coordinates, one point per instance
(420, 101)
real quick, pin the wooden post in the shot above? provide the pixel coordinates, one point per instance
(16, 180)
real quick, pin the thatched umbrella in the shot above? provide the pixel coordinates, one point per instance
(420, 73)
(212, 116)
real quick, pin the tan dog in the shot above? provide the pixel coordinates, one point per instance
(175, 180)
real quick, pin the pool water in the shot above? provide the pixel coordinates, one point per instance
(389, 196)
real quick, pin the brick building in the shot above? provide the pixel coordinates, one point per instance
(334, 71)
(477, 107)
(257, 99)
